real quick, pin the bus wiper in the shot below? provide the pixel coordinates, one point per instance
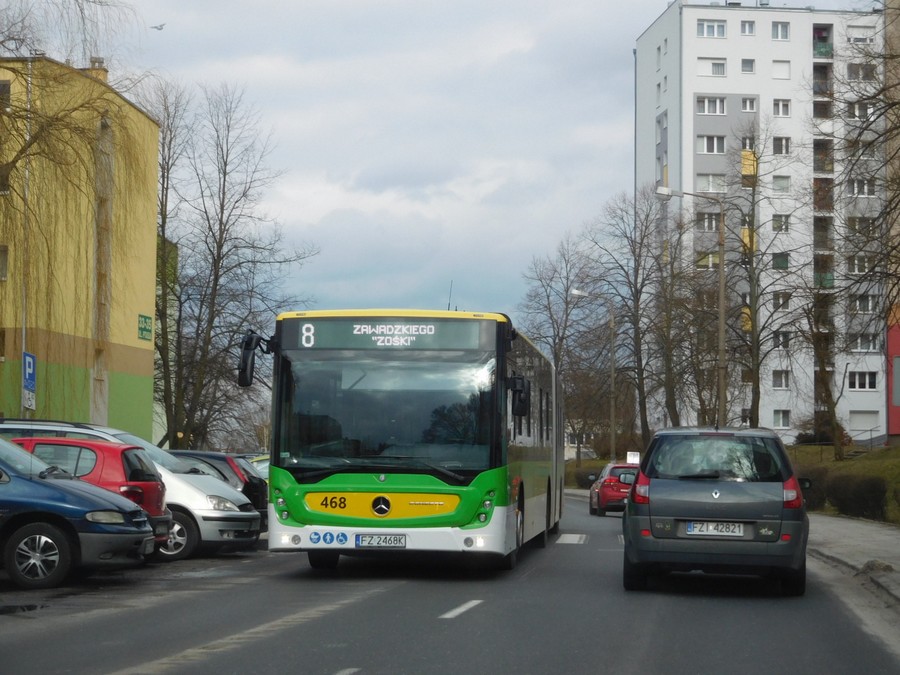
(444, 471)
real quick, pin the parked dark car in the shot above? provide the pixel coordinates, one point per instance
(720, 501)
(235, 470)
(124, 469)
(52, 523)
(608, 492)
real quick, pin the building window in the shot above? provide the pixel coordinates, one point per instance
(864, 342)
(781, 300)
(781, 107)
(748, 104)
(781, 184)
(860, 264)
(4, 180)
(864, 72)
(782, 339)
(707, 28)
(864, 303)
(711, 145)
(781, 379)
(781, 145)
(707, 222)
(861, 226)
(781, 70)
(862, 187)
(781, 419)
(5, 94)
(711, 67)
(658, 57)
(707, 261)
(748, 66)
(861, 379)
(710, 182)
(781, 261)
(709, 105)
(748, 143)
(781, 222)
(4, 261)
(748, 28)
(781, 30)
(860, 110)
(822, 110)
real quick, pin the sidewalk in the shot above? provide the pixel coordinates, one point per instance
(864, 547)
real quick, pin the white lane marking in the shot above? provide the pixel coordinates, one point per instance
(571, 539)
(185, 660)
(348, 671)
(453, 613)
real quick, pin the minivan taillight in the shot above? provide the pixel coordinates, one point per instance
(640, 491)
(793, 497)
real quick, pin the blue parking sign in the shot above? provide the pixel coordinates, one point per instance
(29, 372)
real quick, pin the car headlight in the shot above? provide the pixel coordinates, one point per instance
(217, 503)
(107, 517)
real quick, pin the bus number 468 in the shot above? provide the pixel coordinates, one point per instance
(334, 502)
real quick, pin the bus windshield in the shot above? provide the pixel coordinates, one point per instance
(361, 410)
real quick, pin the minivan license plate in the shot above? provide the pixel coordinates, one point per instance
(701, 527)
(381, 541)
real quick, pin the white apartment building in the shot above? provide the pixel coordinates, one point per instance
(738, 101)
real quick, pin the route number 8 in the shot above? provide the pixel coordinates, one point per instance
(308, 335)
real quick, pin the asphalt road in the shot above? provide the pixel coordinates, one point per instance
(562, 609)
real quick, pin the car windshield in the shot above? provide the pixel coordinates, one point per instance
(21, 460)
(716, 456)
(157, 454)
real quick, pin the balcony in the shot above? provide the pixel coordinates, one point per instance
(823, 50)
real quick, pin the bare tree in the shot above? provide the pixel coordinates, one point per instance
(551, 316)
(221, 262)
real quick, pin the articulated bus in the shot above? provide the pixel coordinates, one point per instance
(409, 430)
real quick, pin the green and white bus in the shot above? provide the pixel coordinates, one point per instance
(409, 430)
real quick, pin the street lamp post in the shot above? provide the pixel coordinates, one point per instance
(612, 369)
(665, 194)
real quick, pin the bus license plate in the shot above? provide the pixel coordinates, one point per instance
(695, 527)
(381, 541)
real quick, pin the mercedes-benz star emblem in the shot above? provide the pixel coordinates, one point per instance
(381, 506)
(716, 494)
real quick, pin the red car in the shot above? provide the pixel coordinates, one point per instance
(607, 493)
(124, 469)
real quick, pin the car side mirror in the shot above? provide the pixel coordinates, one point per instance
(520, 391)
(247, 361)
(805, 483)
(592, 477)
(627, 478)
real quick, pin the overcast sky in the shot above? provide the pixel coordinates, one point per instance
(424, 143)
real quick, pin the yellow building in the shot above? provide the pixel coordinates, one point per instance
(78, 204)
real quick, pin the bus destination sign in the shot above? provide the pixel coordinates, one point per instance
(385, 333)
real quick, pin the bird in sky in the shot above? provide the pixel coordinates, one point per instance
(158, 26)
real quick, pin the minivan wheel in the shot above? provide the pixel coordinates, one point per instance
(634, 578)
(184, 538)
(38, 555)
(793, 583)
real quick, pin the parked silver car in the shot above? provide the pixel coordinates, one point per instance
(722, 501)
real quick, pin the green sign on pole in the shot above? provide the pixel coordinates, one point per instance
(145, 327)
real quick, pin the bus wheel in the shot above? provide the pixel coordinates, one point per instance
(323, 560)
(509, 560)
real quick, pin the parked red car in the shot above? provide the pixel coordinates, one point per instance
(607, 493)
(118, 467)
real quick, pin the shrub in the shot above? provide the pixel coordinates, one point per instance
(815, 496)
(860, 496)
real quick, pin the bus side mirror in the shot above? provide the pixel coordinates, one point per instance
(520, 392)
(247, 361)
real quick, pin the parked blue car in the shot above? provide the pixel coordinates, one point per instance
(52, 523)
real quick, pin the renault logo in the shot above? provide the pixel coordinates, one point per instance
(716, 494)
(381, 506)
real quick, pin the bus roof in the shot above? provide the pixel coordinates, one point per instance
(393, 313)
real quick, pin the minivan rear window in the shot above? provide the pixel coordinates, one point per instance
(726, 457)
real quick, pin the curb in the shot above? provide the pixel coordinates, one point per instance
(856, 571)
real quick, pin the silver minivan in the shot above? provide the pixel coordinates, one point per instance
(721, 501)
(207, 513)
